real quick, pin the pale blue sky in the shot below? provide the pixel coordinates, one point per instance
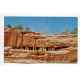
(43, 24)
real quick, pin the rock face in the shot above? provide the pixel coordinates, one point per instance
(10, 37)
(19, 39)
(38, 47)
(13, 38)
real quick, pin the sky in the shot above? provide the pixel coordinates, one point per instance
(43, 24)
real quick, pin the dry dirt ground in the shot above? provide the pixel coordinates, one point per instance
(27, 61)
(62, 56)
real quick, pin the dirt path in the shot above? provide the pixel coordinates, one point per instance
(27, 61)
